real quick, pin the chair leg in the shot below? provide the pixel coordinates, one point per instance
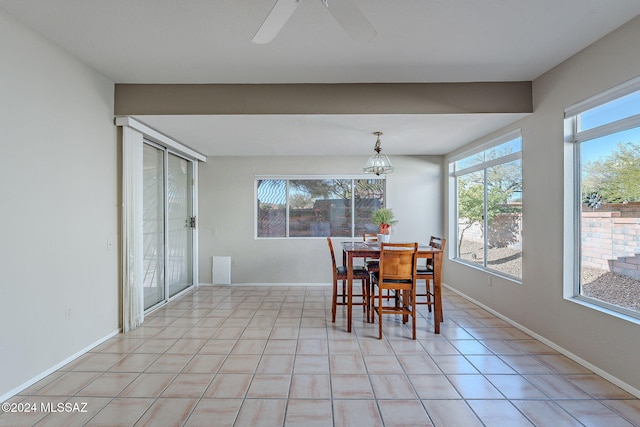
(427, 284)
(334, 301)
(379, 313)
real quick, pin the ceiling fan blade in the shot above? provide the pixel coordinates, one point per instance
(351, 19)
(275, 20)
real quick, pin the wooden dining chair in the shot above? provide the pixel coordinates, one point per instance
(340, 274)
(426, 273)
(398, 262)
(371, 264)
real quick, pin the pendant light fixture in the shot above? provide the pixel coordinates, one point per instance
(378, 163)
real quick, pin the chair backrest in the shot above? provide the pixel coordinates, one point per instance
(369, 237)
(333, 255)
(437, 242)
(398, 261)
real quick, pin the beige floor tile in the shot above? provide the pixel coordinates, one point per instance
(313, 346)
(155, 345)
(437, 347)
(469, 347)
(403, 413)
(147, 385)
(593, 413)
(240, 364)
(545, 413)
(562, 364)
(418, 364)
(489, 364)
(451, 413)
(81, 409)
(205, 364)
(344, 346)
(433, 387)
(347, 364)
(284, 332)
(233, 386)
(351, 387)
(454, 365)
(269, 387)
(214, 346)
(121, 412)
(134, 363)
(99, 362)
(256, 333)
(628, 409)
(556, 387)
(310, 386)
(392, 387)
(281, 346)
(169, 363)
(375, 347)
(186, 346)
(109, 384)
(275, 364)
(383, 365)
(598, 387)
(261, 412)
(68, 384)
(167, 412)
(119, 345)
(309, 413)
(305, 364)
(474, 387)
(214, 412)
(498, 413)
(525, 364)
(515, 387)
(249, 346)
(408, 347)
(356, 413)
(188, 385)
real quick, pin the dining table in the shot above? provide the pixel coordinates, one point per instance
(371, 250)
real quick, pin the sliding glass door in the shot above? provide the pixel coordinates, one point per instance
(167, 224)
(180, 224)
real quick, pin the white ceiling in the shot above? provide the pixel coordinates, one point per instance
(209, 41)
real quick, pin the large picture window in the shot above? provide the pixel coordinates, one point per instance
(605, 135)
(317, 207)
(488, 206)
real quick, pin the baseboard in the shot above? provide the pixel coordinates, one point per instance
(267, 284)
(51, 370)
(615, 380)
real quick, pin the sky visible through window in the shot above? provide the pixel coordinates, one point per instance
(617, 109)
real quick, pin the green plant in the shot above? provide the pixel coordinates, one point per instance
(383, 218)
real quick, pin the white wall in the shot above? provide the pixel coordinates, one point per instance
(609, 343)
(58, 184)
(226, 203)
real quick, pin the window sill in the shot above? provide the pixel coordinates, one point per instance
(592, 304)
(492, 273)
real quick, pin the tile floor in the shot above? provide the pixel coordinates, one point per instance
(270, 356)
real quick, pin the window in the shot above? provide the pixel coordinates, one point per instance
(488, 206)
(604, 134)
(317, 207)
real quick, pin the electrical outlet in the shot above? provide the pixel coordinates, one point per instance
(67, 313)
(234, 261)
(109, 245)
(489, 281)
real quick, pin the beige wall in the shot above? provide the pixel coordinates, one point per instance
(58, 181)
(226, 214)
(607, 342)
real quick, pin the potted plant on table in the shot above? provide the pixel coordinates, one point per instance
(383, 218)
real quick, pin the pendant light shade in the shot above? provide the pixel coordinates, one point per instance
(378, 163)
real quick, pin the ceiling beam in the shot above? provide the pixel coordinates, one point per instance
(344, 98)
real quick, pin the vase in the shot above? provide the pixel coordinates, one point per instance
(384, 238)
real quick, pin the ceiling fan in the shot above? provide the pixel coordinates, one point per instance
(346, 12)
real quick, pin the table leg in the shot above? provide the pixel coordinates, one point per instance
(437, 291)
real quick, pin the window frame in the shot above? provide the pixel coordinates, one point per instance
(288, 178)
(573, 139)
(481, 167)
